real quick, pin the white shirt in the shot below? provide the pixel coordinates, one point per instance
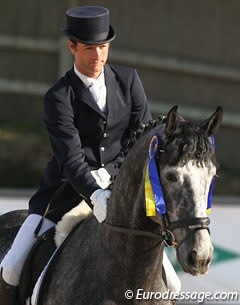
(97, 88)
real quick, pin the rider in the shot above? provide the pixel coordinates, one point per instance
(89, 113)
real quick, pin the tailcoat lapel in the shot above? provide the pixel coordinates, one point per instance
(111, 85)
(82, 93)
(115, 97)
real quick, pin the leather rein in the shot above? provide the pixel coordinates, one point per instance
(166, 235)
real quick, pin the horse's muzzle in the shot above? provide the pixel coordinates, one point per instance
(196, 254)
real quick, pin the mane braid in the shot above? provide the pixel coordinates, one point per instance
(138, 133)
(134, 136)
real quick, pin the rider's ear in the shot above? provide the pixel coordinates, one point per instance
(172, 120)
(212, 124)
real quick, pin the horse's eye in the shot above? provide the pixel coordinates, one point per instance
(171, 177)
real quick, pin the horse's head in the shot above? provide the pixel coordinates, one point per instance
(187, 166)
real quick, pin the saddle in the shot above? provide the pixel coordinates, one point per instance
(47, 248)
(36, 261)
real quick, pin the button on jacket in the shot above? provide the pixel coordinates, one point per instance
(83, 138)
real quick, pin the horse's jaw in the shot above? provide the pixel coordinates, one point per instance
(196, 253)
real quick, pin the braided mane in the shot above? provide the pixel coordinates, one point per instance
(137, 134)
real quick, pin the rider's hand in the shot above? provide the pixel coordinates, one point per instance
(102, 177)
(99, 200)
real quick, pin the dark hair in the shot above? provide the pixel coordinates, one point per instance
(74, 41)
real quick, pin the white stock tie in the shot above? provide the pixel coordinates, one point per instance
(94, 91)
(98, 95)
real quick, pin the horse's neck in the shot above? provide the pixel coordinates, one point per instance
(136, 261)
(143, 254)
(126, 207)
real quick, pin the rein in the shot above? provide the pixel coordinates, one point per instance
(132, 231)
(166, 235)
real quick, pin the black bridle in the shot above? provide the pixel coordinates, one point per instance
(166, 234)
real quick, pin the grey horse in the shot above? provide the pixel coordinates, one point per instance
(112, 262)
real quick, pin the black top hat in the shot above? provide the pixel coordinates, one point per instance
(89, 25)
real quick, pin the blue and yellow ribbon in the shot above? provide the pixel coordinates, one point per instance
(153, 191)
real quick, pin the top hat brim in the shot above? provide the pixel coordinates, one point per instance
(110, 37)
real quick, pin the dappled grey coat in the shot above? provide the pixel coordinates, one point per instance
(83, 138)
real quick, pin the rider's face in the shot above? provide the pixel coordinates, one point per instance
(89, 59)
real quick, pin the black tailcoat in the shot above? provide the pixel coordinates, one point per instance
(83, 138)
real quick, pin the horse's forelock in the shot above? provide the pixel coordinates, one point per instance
(188, 142)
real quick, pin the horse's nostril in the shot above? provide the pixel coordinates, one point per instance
(199, 263)
(208, 261)
(192, 258)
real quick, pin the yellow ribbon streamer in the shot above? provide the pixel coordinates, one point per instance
(149, 197)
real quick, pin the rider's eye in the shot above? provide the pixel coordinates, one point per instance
(171, 177)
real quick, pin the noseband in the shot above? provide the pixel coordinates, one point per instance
(192, 224)
(166, 234)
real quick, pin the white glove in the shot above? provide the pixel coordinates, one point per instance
(102, 177)
(99, 200)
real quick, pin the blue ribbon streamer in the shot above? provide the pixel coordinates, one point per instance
(209, 203)
(154, 177)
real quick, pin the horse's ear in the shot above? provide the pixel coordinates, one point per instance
(172, 120)
(212, 124)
